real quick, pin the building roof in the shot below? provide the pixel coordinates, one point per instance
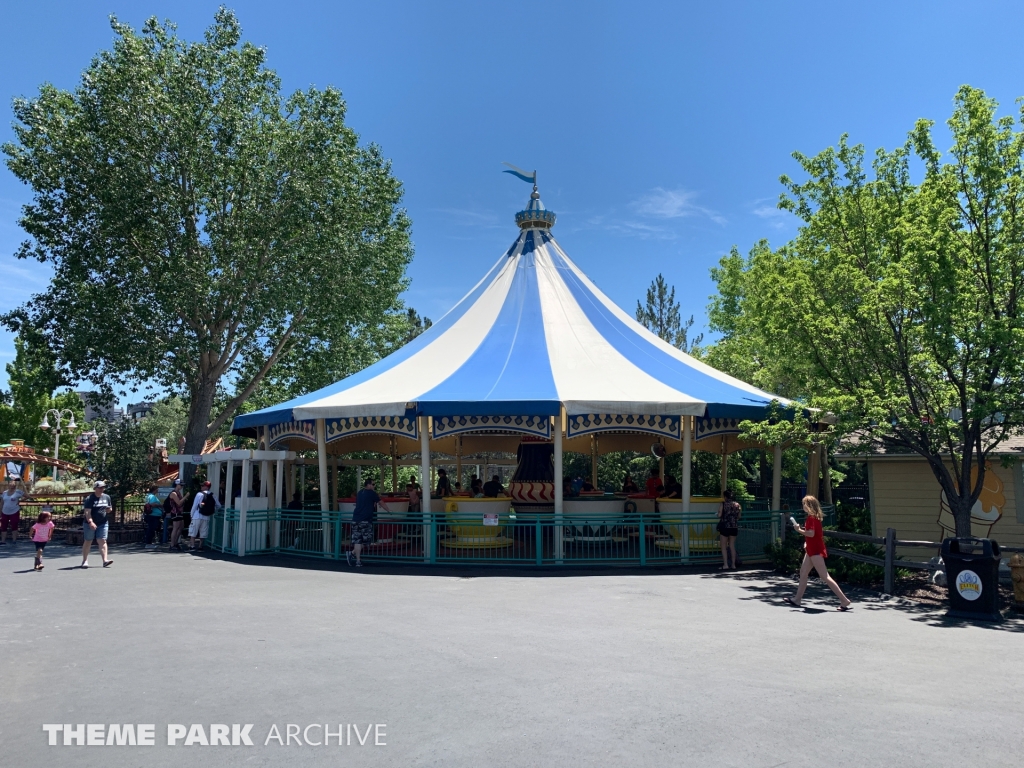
(854, 449)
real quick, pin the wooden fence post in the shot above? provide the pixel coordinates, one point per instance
(890, 560)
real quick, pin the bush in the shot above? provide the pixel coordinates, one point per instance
(739, 489)
(79, 484)
(853, 518)
(787, 556)
(48, 487)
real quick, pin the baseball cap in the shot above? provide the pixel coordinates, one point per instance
(99, 484)
(178, 481)
(207, 483)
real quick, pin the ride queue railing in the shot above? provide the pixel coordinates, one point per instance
(535, 539)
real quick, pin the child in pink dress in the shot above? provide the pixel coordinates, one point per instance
(41, 533)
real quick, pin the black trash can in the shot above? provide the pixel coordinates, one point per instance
(972, 576)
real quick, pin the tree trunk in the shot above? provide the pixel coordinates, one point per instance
(197, 431)
(959, 500)
(961, 509)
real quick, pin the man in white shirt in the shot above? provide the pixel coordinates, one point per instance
(204, 505)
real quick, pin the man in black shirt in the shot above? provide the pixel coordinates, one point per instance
(95, 510)
(673, 489)
(444, 485)
(493, 488)
(367, 502)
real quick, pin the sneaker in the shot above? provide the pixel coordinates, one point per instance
(40, 567)
(85, 565)
(348, 558)
(107, 562)
(358, 564)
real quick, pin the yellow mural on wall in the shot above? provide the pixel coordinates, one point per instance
(986, 510)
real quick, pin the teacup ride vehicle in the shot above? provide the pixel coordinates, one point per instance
(594, 518)
(692, 534)
(476, 524)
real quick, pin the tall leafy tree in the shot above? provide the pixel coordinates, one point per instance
(660, 314)
(202, 227)
(122, 459)
(900, 302)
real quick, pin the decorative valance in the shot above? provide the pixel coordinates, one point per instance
(539, 426)
(666, 426)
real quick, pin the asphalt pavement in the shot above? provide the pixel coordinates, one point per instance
(460, 667)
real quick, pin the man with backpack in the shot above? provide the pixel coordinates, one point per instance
(203, 508)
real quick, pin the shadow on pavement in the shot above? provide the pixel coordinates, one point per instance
(773, 588)
(468, 570)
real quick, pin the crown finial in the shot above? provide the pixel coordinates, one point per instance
(535, 215)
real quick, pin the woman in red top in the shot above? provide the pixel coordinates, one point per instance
(815, 554)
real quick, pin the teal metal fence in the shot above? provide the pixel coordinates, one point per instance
(511, 539)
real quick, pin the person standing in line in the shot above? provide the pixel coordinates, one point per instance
(96, 509)
(154, 512)
(628, 486)
(175, 506)
(729, 512)
(815, 554)
(362, 521)
(204, 506)
(41, 532)
(10, 517)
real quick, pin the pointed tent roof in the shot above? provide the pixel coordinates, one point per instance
(533, 336)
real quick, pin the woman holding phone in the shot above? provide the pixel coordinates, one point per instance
(815, 554)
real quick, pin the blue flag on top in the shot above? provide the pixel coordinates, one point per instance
(519, 173)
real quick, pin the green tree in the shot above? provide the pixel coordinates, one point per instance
(660, 314)
(899, 303)
(202, 228)
(168, 419)
(33, 379)
(122, 459)
(416, 324)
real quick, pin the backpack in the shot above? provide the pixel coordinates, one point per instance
(208, 506)
(168, 509)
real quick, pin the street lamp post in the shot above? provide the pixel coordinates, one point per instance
(59, 416)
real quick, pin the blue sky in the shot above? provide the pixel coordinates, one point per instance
(659, 130)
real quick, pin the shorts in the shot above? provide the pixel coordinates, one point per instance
(362, 533)
(729, 531)
(199, 528)
(40, 544)
(10, 522)
(89, 534)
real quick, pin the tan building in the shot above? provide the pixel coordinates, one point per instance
(906, 496)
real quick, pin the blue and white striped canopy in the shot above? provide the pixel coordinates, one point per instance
(535, 335)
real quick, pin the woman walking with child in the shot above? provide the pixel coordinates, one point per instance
(815, 554)
(41, 533)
